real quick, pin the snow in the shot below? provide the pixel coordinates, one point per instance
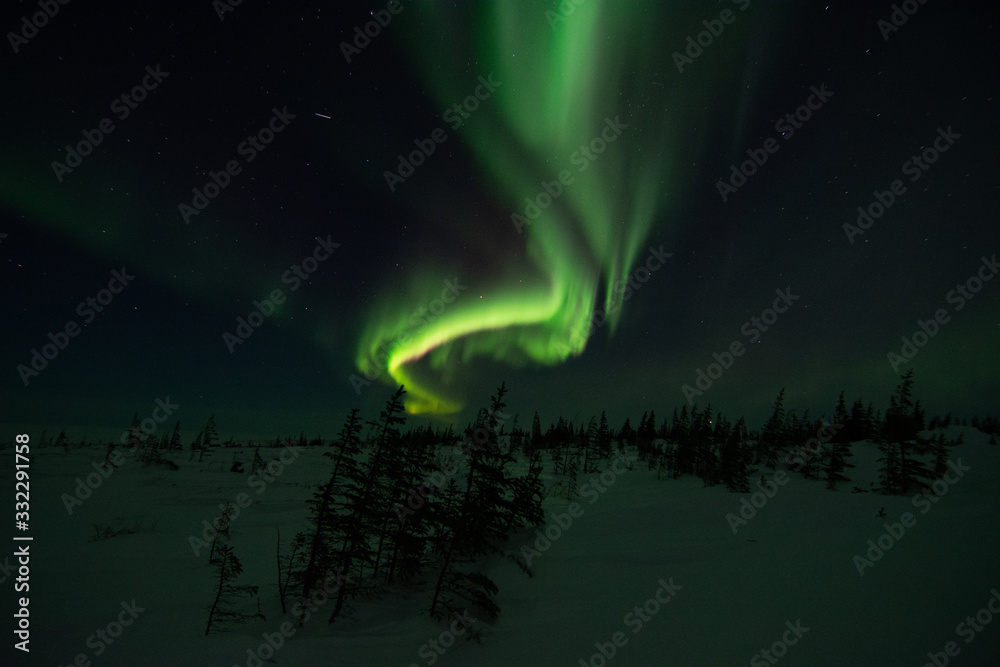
(733, 594)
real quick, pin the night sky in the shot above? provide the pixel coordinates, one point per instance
(626, 146)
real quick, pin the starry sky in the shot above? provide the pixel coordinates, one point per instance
(593, 206)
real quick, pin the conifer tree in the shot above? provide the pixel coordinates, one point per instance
(223, 614)
(572, 469)
(837, 463)
(901, 430)
(870, 421)
(842, 417)
(703, 446)
(557, 451)
(164, 443)
(680, 433)
(626, 435)
(889, 480)
(209, 437)
(196, 446)
(175, 437)
(257, 467)
(408, 536)
(221, 524)
(536, 433)
(134, 435)
(591, 447)
(492, 505)
(603, 437)
(326, 527)
(368, 503)
(62, 441)
(733, 463)
(856, 428)
(772, 437)
(286, 568)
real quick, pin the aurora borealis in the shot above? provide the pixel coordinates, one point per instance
(584, 207)
(563, 230)
(583, 227)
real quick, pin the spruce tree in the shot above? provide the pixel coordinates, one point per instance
(536, 433)
(164, 444)
(603, 437)
(572, 469)
(319, 543)
(223, 613)
(703, 446)
(591, 447)
(135, 435)
(257, 467)
(902, 430)
(836, 464)
(368, 504)
(558, 451)
(733, 464)
(492, 505)
(841, 416)
(286, 567)
(196, 446)
(409, 535)
(772, 437)
(626, 434)
(680, 433)
(221, 524)
(175, 437)
(209, 437)
(62, 441)
(889, 479)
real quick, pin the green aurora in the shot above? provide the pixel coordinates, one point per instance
(577, 97)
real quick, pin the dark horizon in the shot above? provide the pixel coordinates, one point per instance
(524, 421)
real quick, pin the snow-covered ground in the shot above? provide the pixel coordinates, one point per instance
(787, 581)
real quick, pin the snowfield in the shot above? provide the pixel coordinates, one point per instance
(638, 571)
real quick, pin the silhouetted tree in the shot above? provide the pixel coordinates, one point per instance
(772, 436)
(733, 460)
(327, 527)
(222, 613)
(901, 432)
(480, 520)
(369, 503)
(837, 463)
(209, 438)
